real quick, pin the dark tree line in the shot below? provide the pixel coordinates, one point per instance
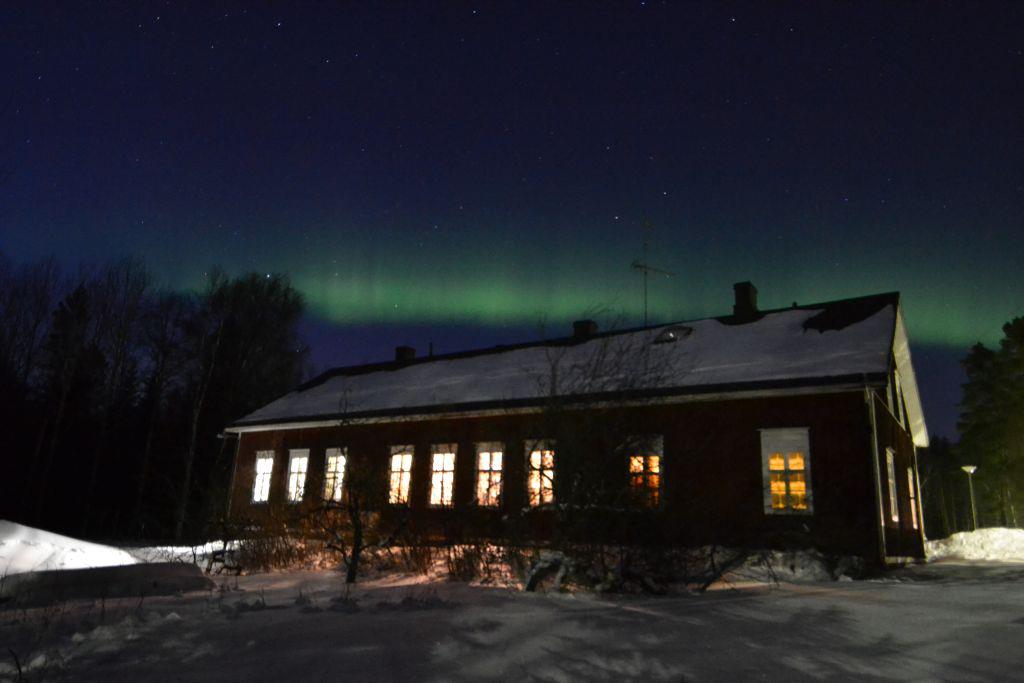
(992, 424)
(114, 393)
(991, 430)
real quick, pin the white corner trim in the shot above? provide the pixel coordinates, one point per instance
(901, 351)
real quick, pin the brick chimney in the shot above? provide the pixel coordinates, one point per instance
(581, 329)
(404, 354)
(745, 308)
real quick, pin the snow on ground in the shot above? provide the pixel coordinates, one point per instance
(294, 626)
(984, 544)
(929, 622)
(25, 549)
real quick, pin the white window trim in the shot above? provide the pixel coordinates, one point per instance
(262, 481)
(792, 438)
(491, 447)
(436, 450)
(296, 490)
(337, 491)
(529, 447)
(890, 467)
(409, 450)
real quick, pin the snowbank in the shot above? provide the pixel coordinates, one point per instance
(24, 549)
(999, 544)
(189, 554)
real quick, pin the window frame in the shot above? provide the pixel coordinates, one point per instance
(295, 491)
(531, 446)
(645, 447)
(911, 481)
(491, 448)
(444, 476)
(405, 474)
(334, 481)
(894, 494)
(264, 456)
(786, 440)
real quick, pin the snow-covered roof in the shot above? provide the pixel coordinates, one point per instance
(849, 341)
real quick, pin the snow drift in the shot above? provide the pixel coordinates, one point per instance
(25, 549)
(1006, 545)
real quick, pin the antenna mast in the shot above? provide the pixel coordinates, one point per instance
(644, 267)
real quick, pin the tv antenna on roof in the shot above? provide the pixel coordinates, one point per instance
(644, 267)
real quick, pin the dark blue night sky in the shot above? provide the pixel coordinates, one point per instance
(467, 173)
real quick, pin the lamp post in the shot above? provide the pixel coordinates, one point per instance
(970, 469)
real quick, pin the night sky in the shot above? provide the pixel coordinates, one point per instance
(470, 173)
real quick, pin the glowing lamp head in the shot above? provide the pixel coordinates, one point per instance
(969, 469)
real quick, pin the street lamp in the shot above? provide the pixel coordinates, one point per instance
(970, 469)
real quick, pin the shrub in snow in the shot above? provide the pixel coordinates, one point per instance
(417, 601)
(345, 604)
(652, 570)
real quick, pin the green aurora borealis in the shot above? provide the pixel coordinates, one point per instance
(454, 175)
(364, 278)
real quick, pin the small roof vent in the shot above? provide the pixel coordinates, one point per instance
(673, 334)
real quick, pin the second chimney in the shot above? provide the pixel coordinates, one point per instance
(404, 354)
(581, 329)
(745, 308)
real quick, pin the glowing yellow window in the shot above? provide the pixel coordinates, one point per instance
(401, 474)
(890, 464)
(541, 476)
(645, 478)
(298, 461)
(442, 479)
(264, 469)
(912, 487)
(785, 455)
(334, 474)
(488, 473)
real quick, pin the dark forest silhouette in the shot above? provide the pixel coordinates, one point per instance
(114, 393)
(991, 430)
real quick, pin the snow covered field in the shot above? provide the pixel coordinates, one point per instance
(286, 627)
(951, 619)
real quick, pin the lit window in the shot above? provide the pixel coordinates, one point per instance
(913, 496)
(401, 474)
(334, 474)
(442, 477)
(298, 461)
(890, 466)
(541, 480)
(786, 466)
(488, 473)
(264, 468)
(645, 470)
